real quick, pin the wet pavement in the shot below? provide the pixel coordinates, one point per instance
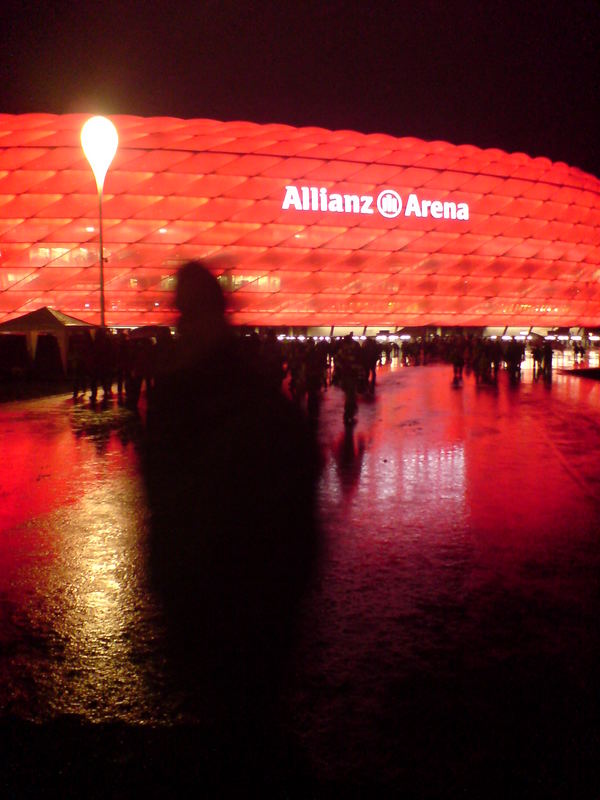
(451, 640)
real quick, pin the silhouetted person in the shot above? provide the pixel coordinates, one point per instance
(230, 468)
(102, 365)
(371, 353)
(348, 362)
(496, 356)
(458, 359)
(537, 353)
(123, 362)
(80, 352)
(514, 356)
(142, 353)
(547, 360)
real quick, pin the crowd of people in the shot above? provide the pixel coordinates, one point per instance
(485, 357)
(129, 360)
(305, 366)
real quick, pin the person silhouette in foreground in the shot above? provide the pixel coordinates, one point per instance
(230, 468)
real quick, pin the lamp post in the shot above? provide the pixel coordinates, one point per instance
(99, 140)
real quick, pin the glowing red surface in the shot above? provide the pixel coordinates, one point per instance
(179, 189)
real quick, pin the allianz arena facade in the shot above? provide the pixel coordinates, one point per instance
(305, 227)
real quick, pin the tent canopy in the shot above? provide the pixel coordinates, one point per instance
(43, 321)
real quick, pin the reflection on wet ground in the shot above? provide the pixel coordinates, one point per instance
(454, 621)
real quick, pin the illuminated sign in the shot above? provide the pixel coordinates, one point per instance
(388, 203)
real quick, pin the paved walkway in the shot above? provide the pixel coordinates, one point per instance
(451, 640)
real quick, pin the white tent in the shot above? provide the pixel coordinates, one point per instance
(45, 321)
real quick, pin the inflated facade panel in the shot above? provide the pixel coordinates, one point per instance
(304, 226)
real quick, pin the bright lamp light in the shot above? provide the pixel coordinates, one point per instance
(99, 140)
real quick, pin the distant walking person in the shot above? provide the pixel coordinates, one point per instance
(349, 367)
(547, 360)
(458, 359)
(123, 363)
(81, 362)
(102, 365)
(371, 353)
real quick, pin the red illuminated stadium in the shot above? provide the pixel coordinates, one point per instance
(304, 226)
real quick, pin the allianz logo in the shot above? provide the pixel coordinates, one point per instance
(388, 203)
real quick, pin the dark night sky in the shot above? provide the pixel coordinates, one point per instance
(519, 76)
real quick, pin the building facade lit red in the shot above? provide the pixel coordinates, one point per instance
(303, 226)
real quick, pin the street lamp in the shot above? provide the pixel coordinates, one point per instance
(99, 139)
